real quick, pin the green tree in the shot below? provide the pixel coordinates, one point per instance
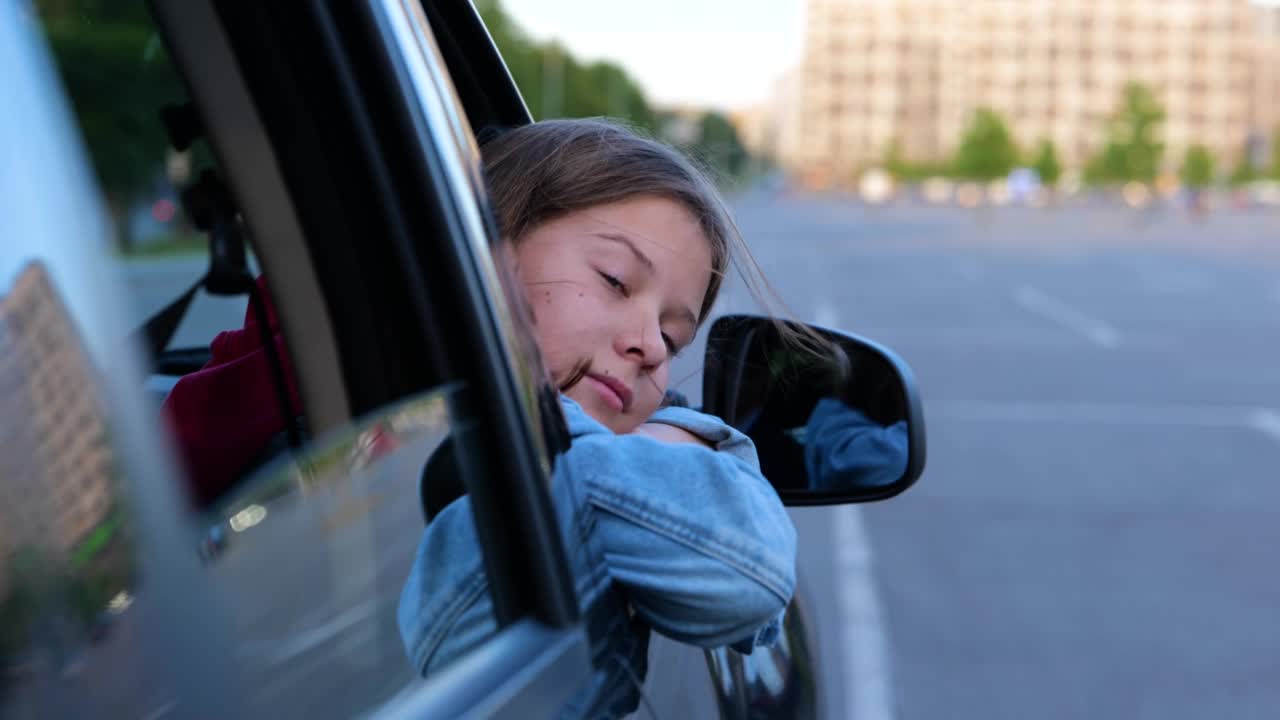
(894, 163)
(16, 610)
(605, 89)
(1132, 150)
(719, 144)
(537, 69)
(897, 165)
(556, 84)
(1275, 154)
(1046, 163)
(31, 577)
(987, 150)
(1245, 171)
(118, 77)
(1197, 167)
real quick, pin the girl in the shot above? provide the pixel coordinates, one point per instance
(620, 245)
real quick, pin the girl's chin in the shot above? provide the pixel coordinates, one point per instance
(619, 424)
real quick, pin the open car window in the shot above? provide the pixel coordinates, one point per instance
(257, 568)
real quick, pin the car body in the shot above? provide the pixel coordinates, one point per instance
(345, 135)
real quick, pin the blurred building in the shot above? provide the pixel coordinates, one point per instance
(753, 126)
(1266, 94)
(769, 129)
(55, 461)
(913, 71)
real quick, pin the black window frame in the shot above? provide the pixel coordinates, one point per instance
(386, 237)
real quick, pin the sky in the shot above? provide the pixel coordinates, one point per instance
(725, 54)
(711, 53)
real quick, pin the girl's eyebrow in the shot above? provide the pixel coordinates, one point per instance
(623, 239)
(685, 313)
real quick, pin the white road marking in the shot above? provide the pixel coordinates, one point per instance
(282, 652)
(1092, 329)
(869, 690)
(161, 711)
(1267, 422)
(825, 315)
(1264, 420)
(953, 338)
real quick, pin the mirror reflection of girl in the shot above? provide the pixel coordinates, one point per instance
(620, 245)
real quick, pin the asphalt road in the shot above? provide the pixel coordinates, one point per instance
(1094, 532)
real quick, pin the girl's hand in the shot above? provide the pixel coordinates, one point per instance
(670, 433)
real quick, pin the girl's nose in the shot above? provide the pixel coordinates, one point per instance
(643, 341)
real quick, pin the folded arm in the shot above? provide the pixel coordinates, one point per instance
(695, 537)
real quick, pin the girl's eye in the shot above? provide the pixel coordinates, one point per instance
(615, 283)
(612, 281)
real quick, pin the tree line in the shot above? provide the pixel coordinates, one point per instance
(557, 84)
(1131, 152)
(118, 77)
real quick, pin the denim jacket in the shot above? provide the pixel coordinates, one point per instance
(844, 449)
(678, 538)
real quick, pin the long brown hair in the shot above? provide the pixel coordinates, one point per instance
(541, 171)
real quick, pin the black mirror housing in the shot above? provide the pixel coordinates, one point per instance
(832, 425)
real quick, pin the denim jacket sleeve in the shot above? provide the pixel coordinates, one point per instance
(696, 539)
(845, 449)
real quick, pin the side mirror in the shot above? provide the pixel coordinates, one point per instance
(832, 424)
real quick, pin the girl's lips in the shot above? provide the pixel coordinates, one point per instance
(613, 391)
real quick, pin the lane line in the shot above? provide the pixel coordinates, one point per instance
(1264, 420)
(1267, 422)
(869, 692)
(864, 640)
(1091, 328)
(280, 652)
(1040, 338)
(161, 711)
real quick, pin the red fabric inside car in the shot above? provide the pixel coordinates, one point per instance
(224, 415)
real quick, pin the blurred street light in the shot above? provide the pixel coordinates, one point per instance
(1167, 185)
(998, 193)
(876, 186)
(969, 194)
(1072, 183)
(937, 190)
(1136, 194)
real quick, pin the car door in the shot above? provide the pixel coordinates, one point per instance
(804, 674)
(784, 681)
(335, 148)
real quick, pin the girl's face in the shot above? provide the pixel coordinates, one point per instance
(615, 290)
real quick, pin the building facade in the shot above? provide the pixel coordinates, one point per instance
(55, 462)
(876, 72)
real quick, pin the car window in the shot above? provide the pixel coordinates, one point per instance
(120, 81)
(297, 542)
